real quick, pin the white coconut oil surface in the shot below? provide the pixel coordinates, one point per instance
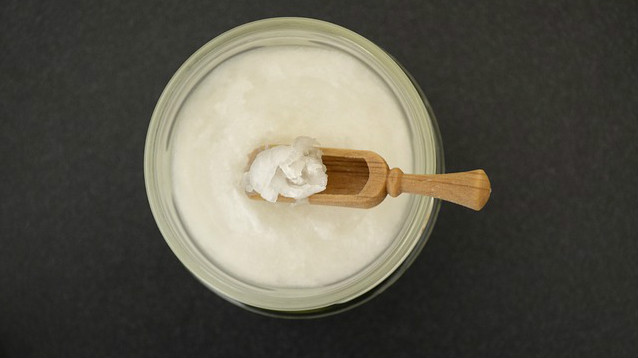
(271, 95)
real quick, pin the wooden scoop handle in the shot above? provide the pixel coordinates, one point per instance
(471, 189)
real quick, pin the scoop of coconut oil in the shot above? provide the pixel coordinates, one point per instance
(294, 171)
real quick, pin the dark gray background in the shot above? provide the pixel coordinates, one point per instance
(543, 95)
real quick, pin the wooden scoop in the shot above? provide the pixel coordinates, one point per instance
(362, 179)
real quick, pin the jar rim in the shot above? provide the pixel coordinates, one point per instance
(303, 302)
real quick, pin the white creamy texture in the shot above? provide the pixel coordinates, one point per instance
(273, 95)
(294, 171)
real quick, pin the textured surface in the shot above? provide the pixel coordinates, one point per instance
(541, 95)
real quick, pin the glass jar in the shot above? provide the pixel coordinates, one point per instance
(294, 302)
